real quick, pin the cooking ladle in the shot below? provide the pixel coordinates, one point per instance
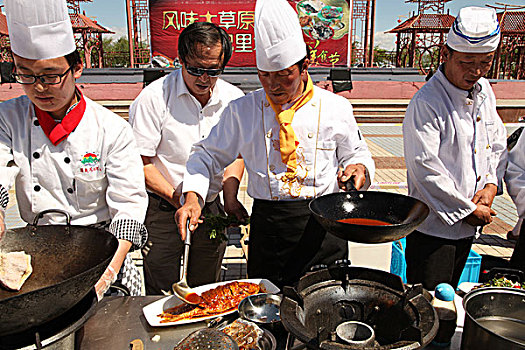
(181, 288)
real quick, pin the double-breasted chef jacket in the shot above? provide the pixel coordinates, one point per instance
(96, 174)
(327, 134)
(454, 144)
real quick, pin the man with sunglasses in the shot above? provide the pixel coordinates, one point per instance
(168, 117)
(62, 150)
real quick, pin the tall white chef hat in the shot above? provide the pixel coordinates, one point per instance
(39, 29)
(476, 30)
(279, 39)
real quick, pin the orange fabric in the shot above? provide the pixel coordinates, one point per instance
(287, 141)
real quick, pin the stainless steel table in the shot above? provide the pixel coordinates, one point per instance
(119, 320)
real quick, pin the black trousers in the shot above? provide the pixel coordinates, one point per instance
(432, 260)
(286, 240)
(517, 261)
(164, 249)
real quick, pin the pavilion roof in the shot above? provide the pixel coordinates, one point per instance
(82, 22)
(512, 22)
(3, 24)
(425, 22)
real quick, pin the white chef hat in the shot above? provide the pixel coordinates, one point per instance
(476, 30)
(279, 39)
(39, 29)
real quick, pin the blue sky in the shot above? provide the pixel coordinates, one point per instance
(112, 14)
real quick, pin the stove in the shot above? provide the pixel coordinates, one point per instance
(401, 317)
(57, 334)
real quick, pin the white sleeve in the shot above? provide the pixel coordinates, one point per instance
(8, 170)
(352, 147)
(421, 139)
(210, 156)
(126, 193)
(515, 175)
(146, 116)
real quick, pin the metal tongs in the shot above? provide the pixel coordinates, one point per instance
(181, 288)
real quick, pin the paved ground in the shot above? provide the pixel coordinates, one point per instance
(386, 144)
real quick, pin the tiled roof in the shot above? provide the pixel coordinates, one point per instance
(82, 22)
(3, 24)
(512, 22)
(425, 21)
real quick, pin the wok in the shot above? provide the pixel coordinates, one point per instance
(403, 213)
(67, 261)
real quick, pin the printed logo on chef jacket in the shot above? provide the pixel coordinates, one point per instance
(90, 163)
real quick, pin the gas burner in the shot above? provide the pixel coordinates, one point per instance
(326, 298)
(57, 331)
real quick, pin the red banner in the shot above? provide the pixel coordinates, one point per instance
(325, 27)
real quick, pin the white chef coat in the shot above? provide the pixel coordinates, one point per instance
(167, 120)
(95, 175)
(453, 146)
(328, 138)
(515, 176)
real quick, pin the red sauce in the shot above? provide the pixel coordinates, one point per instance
(362, 221)
(193, 298)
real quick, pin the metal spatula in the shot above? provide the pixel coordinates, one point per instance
(207, 338)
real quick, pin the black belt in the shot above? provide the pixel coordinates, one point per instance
(164, 205)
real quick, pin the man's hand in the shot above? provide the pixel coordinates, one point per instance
(356, 170)
(481, 216)
(486, 195)
(191, 210)
(107, 279)
(234, 207)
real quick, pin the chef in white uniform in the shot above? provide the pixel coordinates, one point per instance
(454, 143)
(294, 137)
(60, 149)
(515, 180)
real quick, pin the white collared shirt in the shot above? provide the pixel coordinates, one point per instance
(167, 120)
(453, 147)
(328, 138)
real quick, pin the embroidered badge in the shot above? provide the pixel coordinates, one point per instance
(90, 163)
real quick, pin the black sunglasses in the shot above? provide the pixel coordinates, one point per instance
(197, 72)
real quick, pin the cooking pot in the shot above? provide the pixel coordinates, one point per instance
(494, 319)
(67, 261)
(403, 214)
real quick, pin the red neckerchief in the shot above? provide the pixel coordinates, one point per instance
(58, 132)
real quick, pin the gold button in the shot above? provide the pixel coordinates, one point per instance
(488, 146)
(475, 151)
(269, 134)
(275, 198)
(479, 178)
(478, 118)
(313, 104)
(469, 102)
(310, 135)
(272, 167)
(266, 104)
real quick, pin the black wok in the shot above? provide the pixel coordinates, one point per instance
(403, 213)
(67, 261)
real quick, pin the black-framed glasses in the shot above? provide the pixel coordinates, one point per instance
(197, 72)
(48, 79)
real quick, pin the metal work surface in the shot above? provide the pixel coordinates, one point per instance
(119, 320)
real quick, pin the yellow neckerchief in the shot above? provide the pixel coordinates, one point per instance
(287, 140)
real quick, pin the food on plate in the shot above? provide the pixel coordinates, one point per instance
(331, 12)
(15, 269)
(311, 6)
(502, 282)
(245, 333)
(305, 21)
(320, 31)
(216, 301)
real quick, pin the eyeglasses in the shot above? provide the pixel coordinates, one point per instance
(197, 72)
(48, 79)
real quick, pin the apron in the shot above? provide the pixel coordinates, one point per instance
(286, 241)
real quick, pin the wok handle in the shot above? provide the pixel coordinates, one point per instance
(47, 211)
(349, 184)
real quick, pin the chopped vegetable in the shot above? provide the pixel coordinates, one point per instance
(218, 224)
(502, 282)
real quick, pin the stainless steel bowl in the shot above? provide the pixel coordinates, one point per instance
(261, 308)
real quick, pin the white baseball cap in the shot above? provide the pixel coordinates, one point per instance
(39, 29)
(476, 30)
(279, 42)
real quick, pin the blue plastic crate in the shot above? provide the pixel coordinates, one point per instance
(398, 265)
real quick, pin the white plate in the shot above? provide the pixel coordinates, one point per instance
(466, 287)
(153, 310)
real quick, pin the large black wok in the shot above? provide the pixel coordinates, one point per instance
(67, 261)
(403, 213)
